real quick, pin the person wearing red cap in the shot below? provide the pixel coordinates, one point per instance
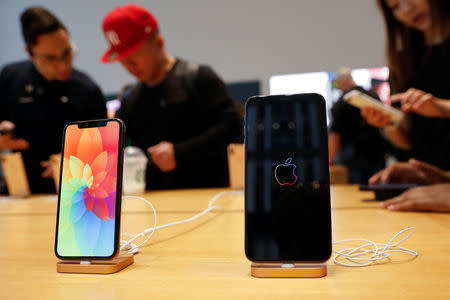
(38, 96)
(180, 113)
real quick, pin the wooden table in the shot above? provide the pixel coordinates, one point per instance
(205, 258)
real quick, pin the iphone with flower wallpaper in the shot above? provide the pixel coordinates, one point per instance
(89, 199)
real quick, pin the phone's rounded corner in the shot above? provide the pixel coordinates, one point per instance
(57, 254)
(248, 257)
(115, 253)
(249, 101)
(118, 120)
(327, 258)
(68, 124)
(319, 97)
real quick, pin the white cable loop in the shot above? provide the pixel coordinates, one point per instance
(377, 251)
(128, 247)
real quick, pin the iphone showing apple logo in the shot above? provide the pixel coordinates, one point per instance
(285, 173)
(287, 190)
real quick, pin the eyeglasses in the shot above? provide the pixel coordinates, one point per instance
(49, 59)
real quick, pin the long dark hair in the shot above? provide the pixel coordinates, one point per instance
(406, 47)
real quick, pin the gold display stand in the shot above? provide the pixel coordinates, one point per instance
(96, 266)
(288, 270)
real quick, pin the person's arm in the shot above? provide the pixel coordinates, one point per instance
(218, 104)
(422, 103)
(337, 128)
(413, 171)
(425, 198)
(397, 134)
(334, 143)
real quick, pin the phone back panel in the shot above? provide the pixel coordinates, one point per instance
(287, 190)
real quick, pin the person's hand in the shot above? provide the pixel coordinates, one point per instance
(7, 126)
(413, 171)
(163, 156)
(425, 198)
(419, 102)
(376, 117)
(48, 172)
(7, 142)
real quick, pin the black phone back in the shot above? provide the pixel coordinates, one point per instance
(287, 187)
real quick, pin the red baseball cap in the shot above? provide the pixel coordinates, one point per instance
(126, 28)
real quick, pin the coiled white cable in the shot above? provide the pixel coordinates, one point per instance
(369, 253)
(127, 246)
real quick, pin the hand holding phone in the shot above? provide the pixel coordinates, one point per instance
(362, 100)
(89, 198)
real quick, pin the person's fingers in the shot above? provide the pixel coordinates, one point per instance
(387, 174)
(409, 204)
(392, 201)
(397, 97)
(426, 167)
(376, 177)
(364, 112)
(7, 125)
(377, 117)
(432, 173)
(45, 163)
(421, 101)
(374, 116)
(47, 174)
(21, 144)
(371, 115)
(386, 120)
(411, 96)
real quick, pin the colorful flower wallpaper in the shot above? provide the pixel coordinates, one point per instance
(88, 191)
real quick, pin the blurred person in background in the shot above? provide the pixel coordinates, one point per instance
(418, 55)
(351, 141)
(180, 113)
(38, 96)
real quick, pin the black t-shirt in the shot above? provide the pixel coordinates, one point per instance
(355, 131)
(430, 137)
(192, 109)
(40, 109)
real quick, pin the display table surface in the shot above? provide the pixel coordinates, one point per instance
(205, 258)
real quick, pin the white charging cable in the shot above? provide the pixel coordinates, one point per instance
(127, 246)
(369, 253)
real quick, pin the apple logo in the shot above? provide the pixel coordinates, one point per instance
(285, 173)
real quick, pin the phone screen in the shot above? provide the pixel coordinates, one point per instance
(287, 193)
(90, 190)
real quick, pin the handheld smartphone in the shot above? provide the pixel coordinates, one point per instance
(90, 189)
(360, 100)
(287, 186)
